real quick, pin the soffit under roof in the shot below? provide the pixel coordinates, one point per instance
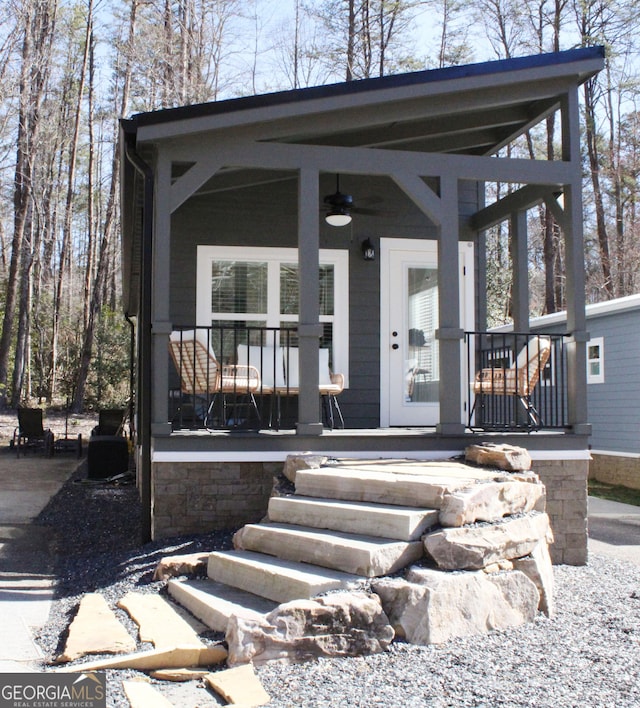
(468, 110)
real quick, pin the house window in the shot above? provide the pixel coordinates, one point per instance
(258, 287)
(595, 360)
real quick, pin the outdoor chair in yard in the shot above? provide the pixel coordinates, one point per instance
(31, 433)
(518, 381)
(203, 377)
(110, 422)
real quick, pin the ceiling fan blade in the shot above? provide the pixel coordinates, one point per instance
(374, 212)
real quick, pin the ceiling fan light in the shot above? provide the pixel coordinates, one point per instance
(338, 217)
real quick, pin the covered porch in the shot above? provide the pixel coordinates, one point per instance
(223, 208)
(515, 382)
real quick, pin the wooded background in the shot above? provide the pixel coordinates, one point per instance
(69, 69)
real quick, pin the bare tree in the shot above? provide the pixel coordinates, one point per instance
(613, 24)
(37, 20)
(64, 266)
(108, 227)
(367, 37)
(503, 25)
(453, 47)
(297, 49)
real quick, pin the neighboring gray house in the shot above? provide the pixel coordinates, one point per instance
(224, 242)
(613, 386)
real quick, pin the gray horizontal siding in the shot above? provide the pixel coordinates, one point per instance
(613, 405)
(614, 412)
(222, 219)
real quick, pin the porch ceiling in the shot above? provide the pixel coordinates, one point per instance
(471, 110)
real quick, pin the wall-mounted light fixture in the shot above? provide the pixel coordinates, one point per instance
(368, 250)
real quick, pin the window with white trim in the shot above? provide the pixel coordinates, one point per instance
(258, 287)
(595, 360)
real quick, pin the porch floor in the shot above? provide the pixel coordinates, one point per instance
(416, 443)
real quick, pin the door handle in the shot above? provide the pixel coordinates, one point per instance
(395, 346)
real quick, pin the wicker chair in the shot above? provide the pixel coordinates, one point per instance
(330, 385)
(201, 375)
(519, 380)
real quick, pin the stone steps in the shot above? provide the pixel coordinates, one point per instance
(213, 603)
(400, 523)
(273, 578)
(368, 556)
(354, 521)
(379, 487)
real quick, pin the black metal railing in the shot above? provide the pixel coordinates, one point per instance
(228, 376)
(516, 380)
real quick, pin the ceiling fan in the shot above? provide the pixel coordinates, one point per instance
(340, 206)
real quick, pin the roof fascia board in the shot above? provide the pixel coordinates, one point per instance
(622, 304)
(378, 162)
(536, 62)
(503, 83)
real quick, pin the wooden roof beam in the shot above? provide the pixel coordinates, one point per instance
(520, 200)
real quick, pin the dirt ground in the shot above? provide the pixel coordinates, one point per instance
(56, 422)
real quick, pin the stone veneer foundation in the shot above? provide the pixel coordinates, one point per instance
(199, 497)
(566, 483)
(615, 469)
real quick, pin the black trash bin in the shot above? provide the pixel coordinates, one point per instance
(107, 456)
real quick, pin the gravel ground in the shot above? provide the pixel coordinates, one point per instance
(588, 656)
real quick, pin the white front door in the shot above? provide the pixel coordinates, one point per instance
(410, 365)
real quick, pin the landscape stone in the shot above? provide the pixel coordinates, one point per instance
(474, 547)
(274, 578)
(293, 463)
(179, 675)
(175, 566)
(387, 520)
(159, 621)
(498, 567)
(538, 568)
(213, 603)
(504, 457)
(432, 607)
(172, 658)
(95, 630)
(239, 686)
(361, 485)
(141, 694)
(337, 624)
(369, 556)
(489, 501)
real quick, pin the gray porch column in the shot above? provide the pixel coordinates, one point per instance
(520, 276)
(309, 328)
(160, 317)
(449, 333)
(574, 263)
